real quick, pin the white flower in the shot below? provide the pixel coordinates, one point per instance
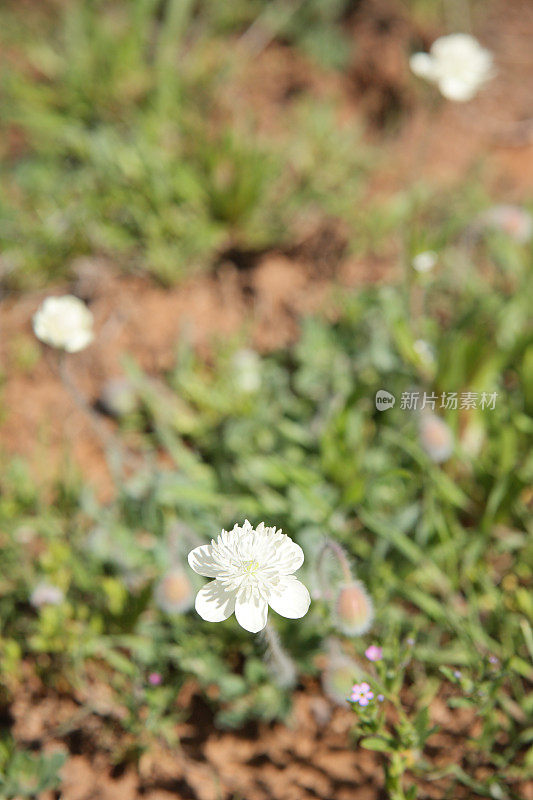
(64, 322)
(45, 594)
(424, 262)
(252, 570)
(457, 64)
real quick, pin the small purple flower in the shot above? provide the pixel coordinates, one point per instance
(457, 673)
(361, 693)
(494, 660)
(410, 641)
(381, 697)
(154, 679)
(374, 652)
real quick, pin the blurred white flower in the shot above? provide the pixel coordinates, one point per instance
(516, 222)
(457, 63)
(247, 370)
(252, 570)
(174, 593)
(436, 437)
(64, 322)
(424, 262)
(45, 594)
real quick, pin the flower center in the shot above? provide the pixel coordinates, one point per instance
(250, 567)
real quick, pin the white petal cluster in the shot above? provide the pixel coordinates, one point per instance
(64, 322)
(252, 570)
(457, 64)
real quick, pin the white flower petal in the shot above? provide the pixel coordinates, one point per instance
(289, 556)
(292, 600)
(79, 341)
(422, 65)
(251, 612)
(214, 603)
(202, 562)
(457, 89)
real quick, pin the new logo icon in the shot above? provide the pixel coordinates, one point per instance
(384, 400)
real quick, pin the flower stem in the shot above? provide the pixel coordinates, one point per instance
(113, 448)
(342, 559)
(279, 661)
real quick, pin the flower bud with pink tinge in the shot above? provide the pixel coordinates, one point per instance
(174, 593)
(340, 674)
(436, 438)
(353, 610)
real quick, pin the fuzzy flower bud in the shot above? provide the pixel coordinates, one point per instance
(514, 221)
(118, 397)
(339, 675)
(174, 593)
(436, 438)
(353, 610)
(247, 371)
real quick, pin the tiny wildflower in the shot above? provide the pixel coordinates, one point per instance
(155, 679)
(380, 698)
(457, 63)
(252, 570)
(457, 673)
(64, 322)
(45, 594)
(118, 397)
(362, 694)
(425, 261)
(353, 610)
(494, 660)
(374, 652)
(174, 593)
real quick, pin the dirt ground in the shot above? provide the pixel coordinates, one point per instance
(308, 758)
(304, 759)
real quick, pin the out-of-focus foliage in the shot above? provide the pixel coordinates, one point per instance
(117, 108)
